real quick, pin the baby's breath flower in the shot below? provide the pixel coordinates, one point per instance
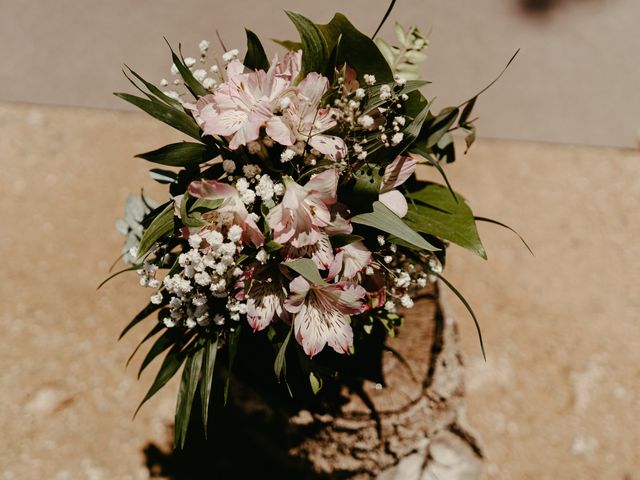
(261, 256)
(208, 83)
(389, 306)
(156, 299)
(388, 259)
(164, 82)
(214, 69)
(189, 61)
(369, 79)
(360, 93)
(200, 74)
(195, 240)
(287, 155)
(406, 301)
(203, 46)
(172, 94)
(230, 55)
(235, 233)
(366, 121)
(397, 138)
(385, 92)
(174, 69)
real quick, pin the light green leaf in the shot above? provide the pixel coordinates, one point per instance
(315, 382)
(306, 268)
(385, 220)
(435, 212)
(181, 154)
(186, 393)
(161, 227)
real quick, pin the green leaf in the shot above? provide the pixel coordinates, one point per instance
(163, 342)
(384, 18)
(435, 212)
(439, 125)
(233, 339)
(280, 362)
(315, 382)
(435, 163)
(356, 49)
(469, 309)
(181, 154)
(168, 369)
(206, 381)
(385, 220)
(159, 94)
(306, 268)
(272, 246)
(169, 115)
(124, 270)
(256, 58)
(186, 393)
(342, 239)
(144, 313)
(160, 227)
(163, 176)
(288, 44)
(194, 86)
(314, 46)
(496, 222)
(158, 327)
(466, 111)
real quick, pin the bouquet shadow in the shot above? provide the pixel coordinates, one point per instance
(391, 417)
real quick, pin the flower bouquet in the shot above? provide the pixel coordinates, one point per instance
(294, 218)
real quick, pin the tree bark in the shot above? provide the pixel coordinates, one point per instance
(413, 428)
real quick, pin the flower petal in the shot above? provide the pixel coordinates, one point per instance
(397, 172)
(396, 202)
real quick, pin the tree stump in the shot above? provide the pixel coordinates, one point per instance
(412, 428)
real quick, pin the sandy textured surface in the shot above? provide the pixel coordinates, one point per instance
(558, 399)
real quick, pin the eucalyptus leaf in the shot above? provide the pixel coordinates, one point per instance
(385, 220)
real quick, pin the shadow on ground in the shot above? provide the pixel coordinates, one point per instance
(543, 7)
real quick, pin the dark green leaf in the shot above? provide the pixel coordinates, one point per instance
(384, 18)
(144, 313)
(436, 213)
(385, 220)
(279, 364)
(288, 44)
(434, 163)
(272, 246)
(342, 239)
(168, 369)
(159, 94)
(256, 58)
(158, 327)
(233, 339)
(469, 309)
(438, 126)
(356, 49)
(160, 227)
(206, 381)
(169, 115)
(306, 268)
(314, 46)
(186, 393)
(162, 343)
(194, 86)
(128, 269)
(181, 154)
(163, 176)
(466, 111)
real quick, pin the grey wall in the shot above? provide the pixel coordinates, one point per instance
(577, 78)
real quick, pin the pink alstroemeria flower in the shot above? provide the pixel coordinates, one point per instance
(396, 173)
(349, 260)
(304, 210)
(232, 205)
(304, 120)
(319, 314)
(238, 108)
(265, 297)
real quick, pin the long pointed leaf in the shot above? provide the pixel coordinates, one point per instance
(124, 270)
(469, 309)
(232, 345)
(495, 222)
(160, 227)
(206, 380)
(256, 58)
(181, 154)
(161, 344)
(186, 393)
(314, 45)
(169, 115)
(157, 328)
(159, 94)
(172, 362)
(194, 86)
(144, 313)
(434, 163)
(280, 362)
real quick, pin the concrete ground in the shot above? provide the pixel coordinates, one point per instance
(559, 397)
